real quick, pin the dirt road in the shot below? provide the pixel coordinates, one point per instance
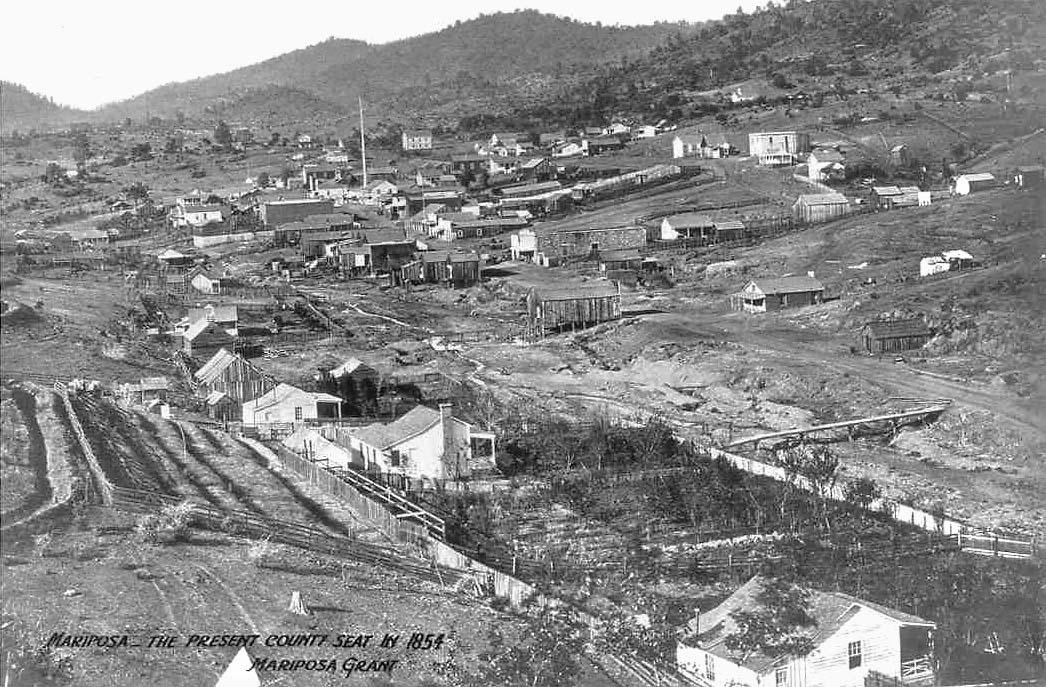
(798, 346)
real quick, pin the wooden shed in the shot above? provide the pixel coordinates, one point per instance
(1030, 176)
(457, 268)
(574, 307)
(820, 207)
(888, 336)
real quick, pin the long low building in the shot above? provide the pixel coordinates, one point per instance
(554, 244)
(762, 295)
(277, 212)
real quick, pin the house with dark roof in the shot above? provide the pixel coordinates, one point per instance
(457, 268)
(357, 383)
(1030, 176)
(883, 197)
(762, 295)
(851, 639)
(812, 208)
(891, 336)
(576, 307)
(228, 380)
(688, 225)
(204, 337)
(965, 184)
(601, 144)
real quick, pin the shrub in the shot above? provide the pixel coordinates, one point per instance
(169, 526)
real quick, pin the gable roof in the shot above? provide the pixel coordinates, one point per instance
(348, 367)
(889, 329)
(828, 610)
(979, 176)
(795, 284)
(827, 155)
(568, 293)
(200, 326)
(811, 199)
(688, 220)
(283, 392)
(222, 313)
(886, 190)
(215, 366)
(413, 423)
(171, 254)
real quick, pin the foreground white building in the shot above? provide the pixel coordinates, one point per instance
(851, 638)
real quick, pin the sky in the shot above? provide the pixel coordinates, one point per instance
(85, 53)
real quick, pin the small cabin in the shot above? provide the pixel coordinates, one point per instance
(893, 336)
(763, 295)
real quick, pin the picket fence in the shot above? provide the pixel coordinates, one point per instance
(970, 539)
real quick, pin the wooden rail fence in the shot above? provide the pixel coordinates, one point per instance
(399, 518)
(253, 526)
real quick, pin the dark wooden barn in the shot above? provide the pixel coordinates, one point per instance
(895, 335)
(451, 267)
(557, 309)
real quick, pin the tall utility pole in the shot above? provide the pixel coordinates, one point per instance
(363, 143)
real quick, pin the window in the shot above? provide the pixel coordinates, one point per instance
(853, 650)
(709, 667)
(781, 677)
(297, 413)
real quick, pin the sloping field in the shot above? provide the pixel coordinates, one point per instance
(206, 466)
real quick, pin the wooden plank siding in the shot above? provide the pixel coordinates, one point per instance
(828, 665)
(560, 309)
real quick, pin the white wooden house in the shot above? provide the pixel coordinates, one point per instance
(778, 148)
(851, 639)
(423, 443)
(825, 164)
(687, 225)
(288, 404)
(205, 282)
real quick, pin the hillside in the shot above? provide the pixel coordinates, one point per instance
(475, 64)
(822, 45)
(21, 109)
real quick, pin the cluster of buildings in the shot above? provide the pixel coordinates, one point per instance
(422, 444)
(771, 148)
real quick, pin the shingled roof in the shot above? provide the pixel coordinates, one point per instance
(796, 284)
(383, 436)
(829, 611)
(894, 329)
